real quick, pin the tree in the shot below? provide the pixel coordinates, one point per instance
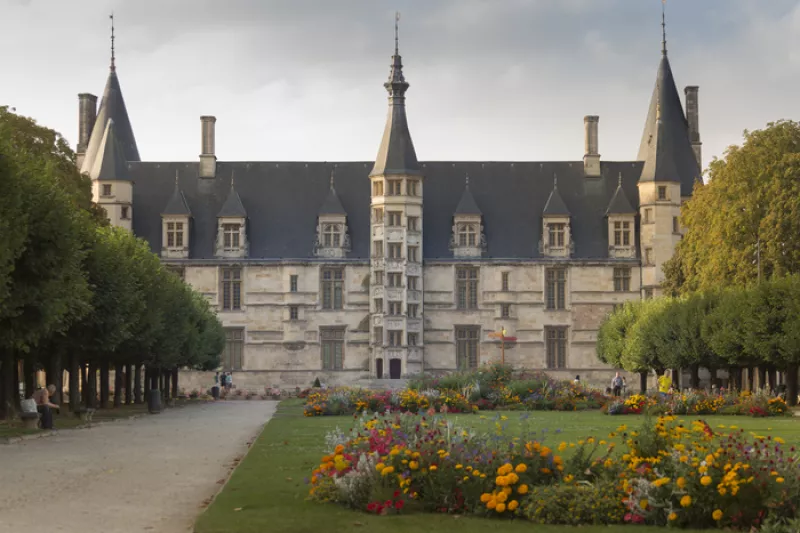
(613, 332)
(641, 351)
(744, 222)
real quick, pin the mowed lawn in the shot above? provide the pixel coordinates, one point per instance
(267, 492)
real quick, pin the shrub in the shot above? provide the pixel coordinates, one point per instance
(576, 504)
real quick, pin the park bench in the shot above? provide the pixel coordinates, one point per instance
(29, 414)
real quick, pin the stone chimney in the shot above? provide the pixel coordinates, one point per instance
(693, 117)
(208, 158)
(87, 115)
(591, 158)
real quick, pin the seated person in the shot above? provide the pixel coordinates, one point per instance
(44, 406)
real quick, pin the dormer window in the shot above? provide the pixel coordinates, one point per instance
(467, 235)
(332, 239)
(556, 240)
(332, 234)
(232, 227)
(175, 235)
(395, 187)
(468, 239)
(175, 226)
(556, 235)
(231, 237)
(621, 216)
(622, 233)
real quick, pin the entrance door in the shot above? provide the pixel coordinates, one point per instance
(379, 368)
(394, 368)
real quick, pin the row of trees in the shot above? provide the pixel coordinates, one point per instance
(78, 295)
(733, 329)
(733, 295)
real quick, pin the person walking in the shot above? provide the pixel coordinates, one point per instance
(664, 384)
(616, 385)
(45, 406)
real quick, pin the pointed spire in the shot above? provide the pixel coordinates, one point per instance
(619, 204)
(233, 206)
(396, 154)
(666, 148)
(467, 204)
(332, 205)
(110, 163)
(177, 204)
(555, 205)
(663, 27)
(113, 59)
(112, 107)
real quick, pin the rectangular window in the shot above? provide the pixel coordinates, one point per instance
(231, 236)
(174, 234)
(395, 338)
(395, 308)
(395, 250)
(395, 279)
(648, 256)
(377, 215)
(377, 188)
(662, 192)
(332, 288)
(622, 279)
(106, 190)
(412, 339)
(676, 225)
(556, 288)
(332, 348)
(234, 349)
(413, 223)
(395, 187)
(378, 277)
(395, 218)
(556, 237)
(505, 310)
(504, 281)
(377, 336)
(648, 294)
(648, 216)
(412, 187)
(622, 233)
(467, 288)
(467, 347)
(413, 253)
(556, 347)
(413, 309)
(377, 248)
(293, 283)
(412, 283)
(124, 213)
(231, 289)
(331, 235)
(294, 313)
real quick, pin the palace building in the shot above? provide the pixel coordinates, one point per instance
(382, 269)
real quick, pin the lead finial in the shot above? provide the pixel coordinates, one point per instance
(233, 174)
(555, 180)
(176, 177)
(332, 172)
(466, 180)
(663, 27)
(396, 33)
(113, 59)
(619, 180)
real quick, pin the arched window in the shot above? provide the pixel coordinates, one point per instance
(332, 235)
(467, 235)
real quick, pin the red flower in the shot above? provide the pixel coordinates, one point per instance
(399, 504)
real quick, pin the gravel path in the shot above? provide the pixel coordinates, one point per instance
(148, 474)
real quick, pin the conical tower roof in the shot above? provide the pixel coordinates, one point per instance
(619, 204)
(110, 162)
(467, 204)
(332, 205)
(555, 205)
(396, 154)
(233, 206)
(112, 107)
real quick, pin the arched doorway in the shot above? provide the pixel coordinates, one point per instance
(379, 368)
(394, 368)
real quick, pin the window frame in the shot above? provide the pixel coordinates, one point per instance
(293, 282)
(331, 338)
(556, 340)
(332, 288)
(557, 234)
(467, 339)
(294, 312)
(555, 293)
(332, 235)
(228, 358)
(504, 281)
(622, 279)
(467, 235)
(467, 287)
(231, 236)
(231, 279)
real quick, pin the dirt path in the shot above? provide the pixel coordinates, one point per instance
(150, 474)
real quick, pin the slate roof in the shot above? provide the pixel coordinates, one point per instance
(467, 205)
(619, 204)
(283, 201)
(110, 163)
(112, 107)
(332, 205)
(233, 206)
(555, 205)
(177, 204)
(666, 148)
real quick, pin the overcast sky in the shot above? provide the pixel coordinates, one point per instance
(490, 79)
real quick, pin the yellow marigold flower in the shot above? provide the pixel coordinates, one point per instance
(702, 469)
(672, 516)
(388, 470)
(706, 481)
(483, 476)
(339, 449)
(380, 466)
(779, 440)
(485, 497)
(717, 515)
(512, 478)
(522, 489)
(512, 505)
(413, 465)
(545, 470)
(500, 507)
(660, 482)
(686, 501)
(433, 468)
(521, 468)
(507, 491)
(491, 504)
(681, 482)
(394, 451)
(779, 480)
(466, 478)
(643, 504)
(710, 459)
(459, 467)
(501, 481)
(683, 458)
(501, 497)
(568, 478)
(562, 446)
(722, 490)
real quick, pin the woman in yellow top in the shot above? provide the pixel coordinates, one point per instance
(664, 383)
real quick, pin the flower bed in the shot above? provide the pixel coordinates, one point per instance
(665, 473)
(759, 404)
(492, 387)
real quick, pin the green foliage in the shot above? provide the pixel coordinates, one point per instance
(613, 333)
(645, 344)
(576, 505)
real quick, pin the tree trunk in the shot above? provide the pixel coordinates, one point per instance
(15, 397)
(695, 376)
(29, 376)
(85, 383)
(91, 386)
(643, 382)
(714, 380)
(55, 375)
(105, 385)
(119, 383)
(735, 378)
(128, 384)
(153, 379)
(791, 385)
(137, 383)
(74, 383)
(772, 378)
(162, 377)
(174, 382)
(676, 378)
(7, 364)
